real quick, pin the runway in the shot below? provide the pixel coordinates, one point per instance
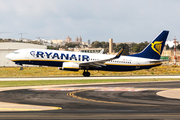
(91, 78)
(101, 101)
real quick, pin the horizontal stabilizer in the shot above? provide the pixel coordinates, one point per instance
(158, 61)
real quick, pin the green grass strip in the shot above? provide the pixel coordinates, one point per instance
(61, 82)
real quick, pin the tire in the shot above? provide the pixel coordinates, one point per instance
(86, 74)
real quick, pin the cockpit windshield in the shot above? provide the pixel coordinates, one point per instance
(15, 52)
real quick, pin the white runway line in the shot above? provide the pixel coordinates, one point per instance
(87, 78)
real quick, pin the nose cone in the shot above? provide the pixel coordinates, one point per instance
(9, 56)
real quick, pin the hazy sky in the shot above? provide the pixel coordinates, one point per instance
(122, 20)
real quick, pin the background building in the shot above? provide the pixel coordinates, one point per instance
(169, 55)
(59, 42)
(9, 47)
(68, 40)
(110, 46)
(78, 40)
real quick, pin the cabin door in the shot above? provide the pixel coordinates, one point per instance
(27, 55)
(137, 64)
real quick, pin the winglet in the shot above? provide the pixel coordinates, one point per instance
(101, 52)
(119, 53)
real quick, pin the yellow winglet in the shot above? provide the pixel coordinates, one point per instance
(119, 53)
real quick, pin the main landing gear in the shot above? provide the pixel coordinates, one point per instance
(86, 73)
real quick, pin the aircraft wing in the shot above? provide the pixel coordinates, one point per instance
(100, 63)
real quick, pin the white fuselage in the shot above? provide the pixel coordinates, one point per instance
(57, 58)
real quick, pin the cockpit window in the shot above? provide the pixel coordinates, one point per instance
(16, 52)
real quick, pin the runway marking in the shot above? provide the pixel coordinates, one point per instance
(18, 109)
(72, 94)
(90, 78)
(176, 89)
(4, 106)
(15, 109)
(21, 109)
(132, 89)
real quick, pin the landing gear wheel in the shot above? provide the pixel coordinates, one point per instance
(21, 68)
(86, 74)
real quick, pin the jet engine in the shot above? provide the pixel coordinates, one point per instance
(70, 66)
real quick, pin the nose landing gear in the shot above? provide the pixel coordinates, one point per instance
(21, 68)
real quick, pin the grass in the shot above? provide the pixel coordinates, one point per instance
(15, 72)
(60, 82)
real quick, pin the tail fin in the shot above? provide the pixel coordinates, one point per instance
(155, 48)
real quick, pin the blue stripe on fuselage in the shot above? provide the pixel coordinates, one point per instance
(108, 67)
(44, 63)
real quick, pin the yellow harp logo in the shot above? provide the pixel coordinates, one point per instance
(156, 46)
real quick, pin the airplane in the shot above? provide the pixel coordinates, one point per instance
(75, 61)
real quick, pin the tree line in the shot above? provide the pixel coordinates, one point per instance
(128, 48)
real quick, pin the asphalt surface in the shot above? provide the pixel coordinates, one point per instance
(102, 101)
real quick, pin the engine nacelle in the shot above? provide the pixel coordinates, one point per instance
(70, 66)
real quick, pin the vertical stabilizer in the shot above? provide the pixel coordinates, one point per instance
(155, 48)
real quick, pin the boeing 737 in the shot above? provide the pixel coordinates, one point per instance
(74, 61)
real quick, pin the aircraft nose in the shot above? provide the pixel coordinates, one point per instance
(9, 56)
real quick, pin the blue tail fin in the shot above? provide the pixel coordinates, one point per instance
(155, 48)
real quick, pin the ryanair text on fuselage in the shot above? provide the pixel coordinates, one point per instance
(61, 56)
